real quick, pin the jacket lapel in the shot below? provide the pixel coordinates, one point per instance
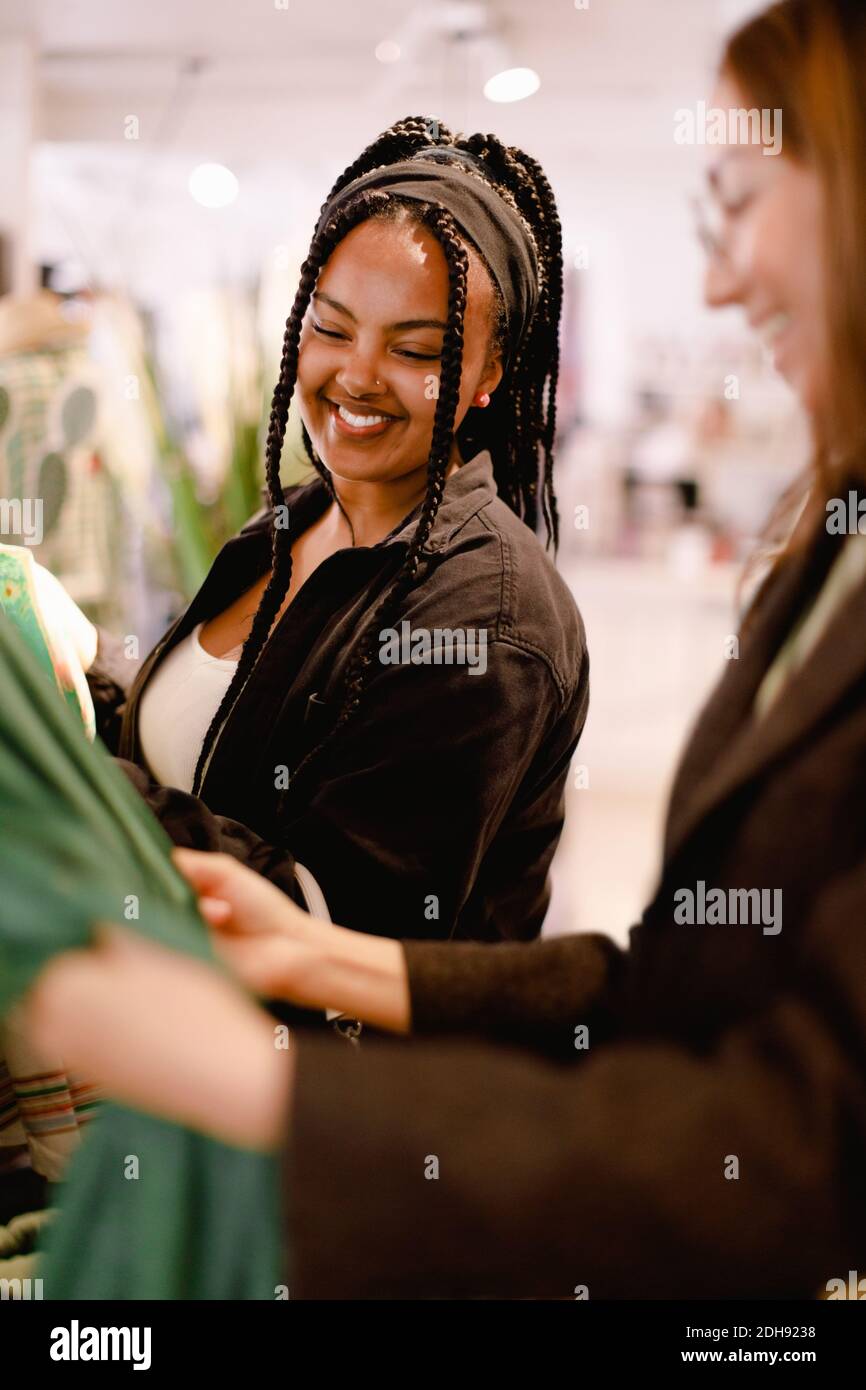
(729, 747)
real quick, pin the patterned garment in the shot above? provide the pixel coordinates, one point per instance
(51, 645)
(41, 1107)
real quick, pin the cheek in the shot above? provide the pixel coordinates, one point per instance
(313, 362)
(784, 257)
(417, 390)
(784, 251)
(761, 252)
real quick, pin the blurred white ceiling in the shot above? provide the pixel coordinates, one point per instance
(260, 79)
(288, 92)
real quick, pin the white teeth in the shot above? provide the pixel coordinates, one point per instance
(360, 421)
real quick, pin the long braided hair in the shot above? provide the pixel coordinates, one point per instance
(519, 422)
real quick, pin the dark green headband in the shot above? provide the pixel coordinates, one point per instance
(488, 220)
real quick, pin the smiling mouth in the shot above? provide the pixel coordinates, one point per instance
(358, 426)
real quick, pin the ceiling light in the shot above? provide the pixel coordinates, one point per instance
(213, 185)
(388, 51)
(512, 85)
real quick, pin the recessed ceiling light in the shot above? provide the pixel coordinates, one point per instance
(213, 185)
(512, 85)
(388, 51)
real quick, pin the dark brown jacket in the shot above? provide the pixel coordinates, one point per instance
(447, 785)
(711, 1141)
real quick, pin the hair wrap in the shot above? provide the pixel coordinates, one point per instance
(488, 220)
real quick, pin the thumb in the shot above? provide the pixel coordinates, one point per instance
(207, 872)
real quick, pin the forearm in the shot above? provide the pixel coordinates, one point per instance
(539, 994)
(362, 976)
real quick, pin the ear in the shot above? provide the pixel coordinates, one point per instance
(493, 373)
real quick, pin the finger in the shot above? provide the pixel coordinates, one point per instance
(203, 869)
(256, 904)
(216, 911)
(221, 876)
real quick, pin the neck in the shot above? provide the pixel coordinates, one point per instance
(375, 508)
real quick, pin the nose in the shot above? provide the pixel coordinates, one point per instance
(722, 282)
(358, 374)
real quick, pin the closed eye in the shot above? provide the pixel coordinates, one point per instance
(736, 205)
(403, 352)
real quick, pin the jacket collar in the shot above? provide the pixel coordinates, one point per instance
(728, 747)
(466, 492)
(245, 557)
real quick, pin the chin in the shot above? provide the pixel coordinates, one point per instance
(350, 466)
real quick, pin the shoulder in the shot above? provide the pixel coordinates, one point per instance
(494, 571)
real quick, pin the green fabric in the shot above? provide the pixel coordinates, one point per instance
(202, 1219)
(17, 602)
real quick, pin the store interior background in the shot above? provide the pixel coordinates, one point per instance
(132, 394)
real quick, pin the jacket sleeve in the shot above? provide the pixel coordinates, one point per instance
(418, 806)
(109, 679)
(649, 1170)
(536, 993)
(188, 822)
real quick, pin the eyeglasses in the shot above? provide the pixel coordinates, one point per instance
(710, 225)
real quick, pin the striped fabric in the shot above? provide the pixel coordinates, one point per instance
(41, 1106)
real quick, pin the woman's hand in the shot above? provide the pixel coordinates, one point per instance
(164, 1033)
(276, 949)
(281, 952)
(60, 611)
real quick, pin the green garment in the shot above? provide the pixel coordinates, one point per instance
(201, 1219)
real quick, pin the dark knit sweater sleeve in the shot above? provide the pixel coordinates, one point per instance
(535, 994)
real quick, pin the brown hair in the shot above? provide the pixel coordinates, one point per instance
(808, 59)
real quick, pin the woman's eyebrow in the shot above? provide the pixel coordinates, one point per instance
(404, 323)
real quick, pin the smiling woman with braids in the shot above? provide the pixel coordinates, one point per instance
(273, 720)
(681, 1119)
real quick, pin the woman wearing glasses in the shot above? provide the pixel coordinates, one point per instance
(683, 1118)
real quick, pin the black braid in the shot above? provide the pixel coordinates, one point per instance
(354, 212)
(513, 427)
(517, 174)
(445, 229)
(281, 553)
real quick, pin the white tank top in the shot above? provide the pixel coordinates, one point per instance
(177, 706)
